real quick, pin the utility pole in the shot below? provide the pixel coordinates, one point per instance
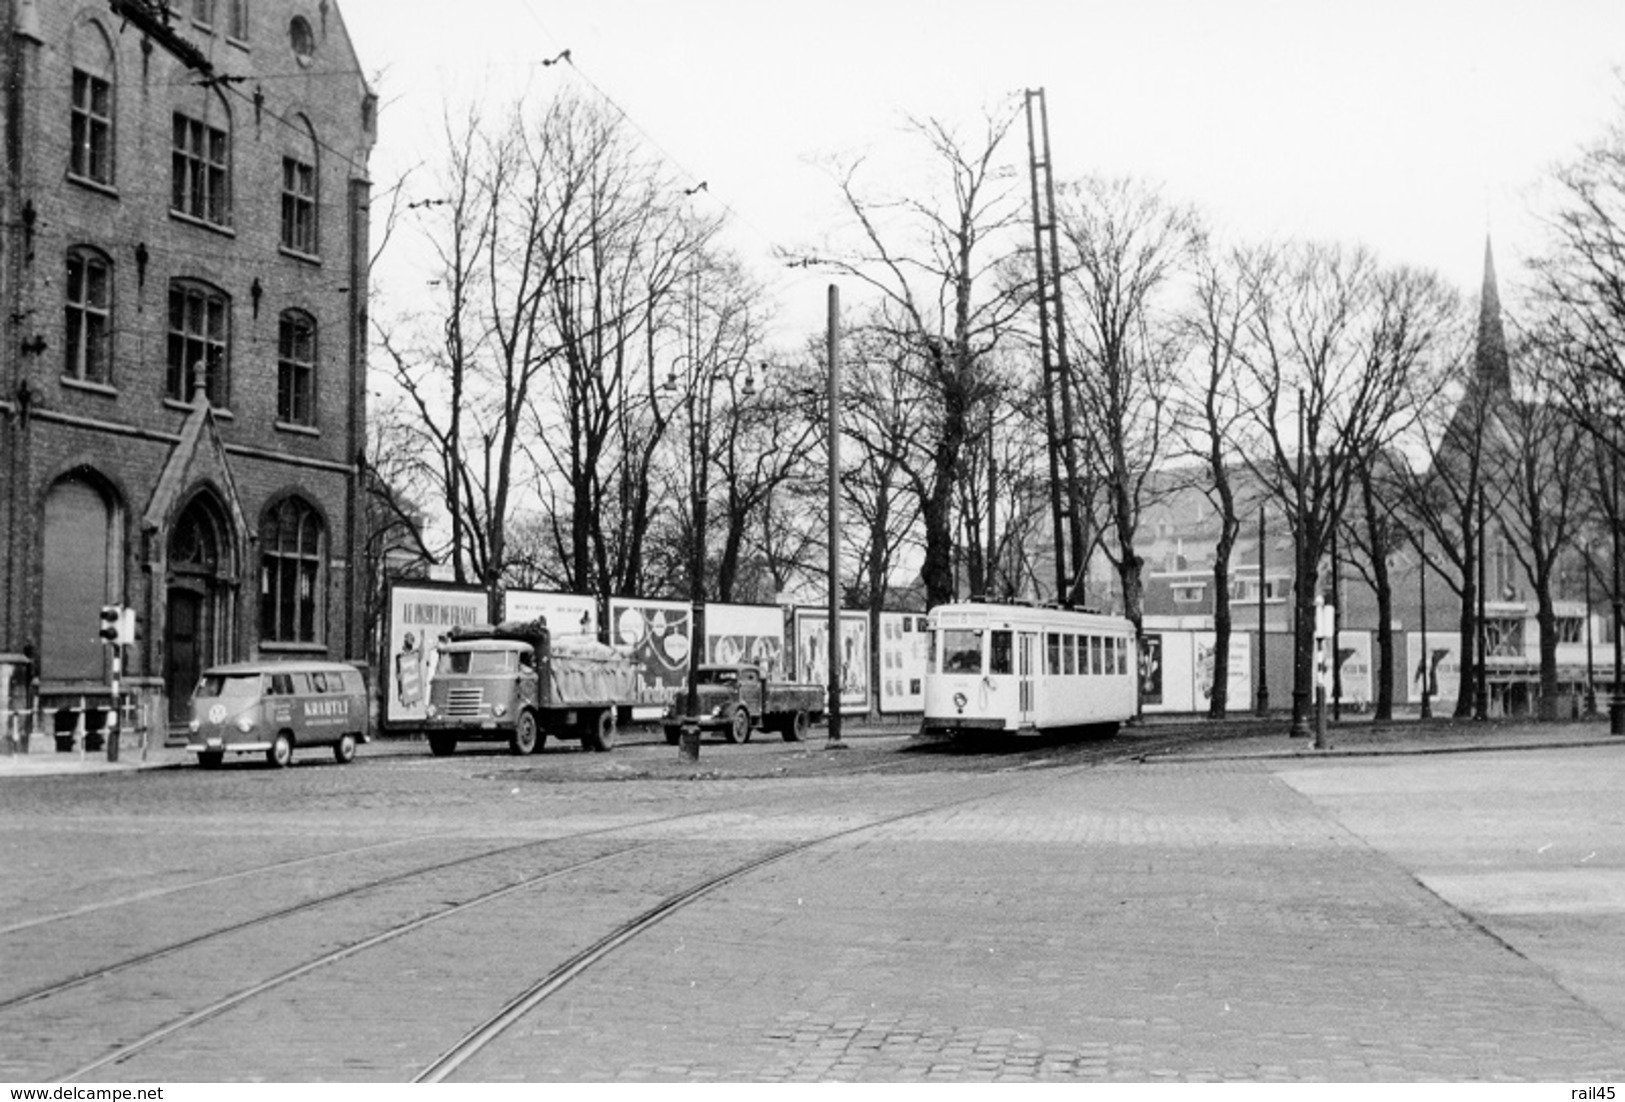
(1262, 707)
(833, 343)
(1041, 281)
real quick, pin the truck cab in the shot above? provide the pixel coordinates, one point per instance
(735, 698)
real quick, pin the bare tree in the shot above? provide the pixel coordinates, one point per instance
(1124, 248)
(1211, 412)
(932, 264)
(1542, 458)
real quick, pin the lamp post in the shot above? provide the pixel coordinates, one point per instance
(833, 351)
(1591, 692)
(699, 430)
(1616, 703)
(1300, 622)
(1481, 692)
(1262, 707)
(1427, 670)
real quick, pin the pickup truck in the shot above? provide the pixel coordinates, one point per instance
(515, 682)
(737, 700)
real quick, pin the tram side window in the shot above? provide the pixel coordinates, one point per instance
(961, 651)
(1000, 652)
(1096, 659)
(931, 640)
(1052, 664)
(1069, 654)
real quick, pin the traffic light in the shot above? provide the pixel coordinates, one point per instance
(112, 623)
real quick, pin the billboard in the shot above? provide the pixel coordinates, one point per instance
(1439, 666)
(747, 633)
(658, 633)
(812, 654)
(1354, 674)
(1239, 683)
(566, 613)
(421, 614)
(903, 641)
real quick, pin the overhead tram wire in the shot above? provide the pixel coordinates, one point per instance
(775, 248)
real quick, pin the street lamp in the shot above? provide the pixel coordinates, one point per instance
(833, 351)
(1616, 703)
(1262, 707)
(1427, 668)
(1591, 692)
(699, 430)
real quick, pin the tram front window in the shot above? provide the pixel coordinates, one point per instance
(961, 651)
(1000, 660)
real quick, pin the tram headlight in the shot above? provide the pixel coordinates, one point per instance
(960, 700)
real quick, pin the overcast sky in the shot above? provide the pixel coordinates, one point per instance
(1413, 127)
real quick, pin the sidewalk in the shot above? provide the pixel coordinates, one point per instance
(43, 759)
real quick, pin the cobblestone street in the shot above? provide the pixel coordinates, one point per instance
(1229, 911)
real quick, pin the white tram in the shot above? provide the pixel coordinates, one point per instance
(1023, 670)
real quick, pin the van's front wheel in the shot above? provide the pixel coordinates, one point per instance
(280, 755)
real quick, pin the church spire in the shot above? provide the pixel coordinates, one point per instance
(1490, 357)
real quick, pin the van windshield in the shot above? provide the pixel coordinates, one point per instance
(477, 661)
(242, 686)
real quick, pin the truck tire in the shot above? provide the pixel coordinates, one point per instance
(796, 726)
(525, 737)
(601, 731)
(442, 746)
(738, 729)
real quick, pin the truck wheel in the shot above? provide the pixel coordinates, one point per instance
(442, 746)
(601, 731)
(344, 749)
(673, 733)
(523, 739)
(796, 727)
(280, 755)
(739, 729)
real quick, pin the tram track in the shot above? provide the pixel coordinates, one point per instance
(533, 994)
(305, 906)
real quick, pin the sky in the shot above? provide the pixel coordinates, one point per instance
(1415, 128)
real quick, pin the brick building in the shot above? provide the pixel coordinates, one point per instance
(183, 247)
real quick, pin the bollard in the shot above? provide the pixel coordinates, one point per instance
(1320, 717)
(110, 736)
(688, 742)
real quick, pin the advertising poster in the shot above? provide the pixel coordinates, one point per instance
(1151, 669)
(421, 614)
(1239, 683)
(1439, 667)
(747, 633)
(658, 633)
(812, 654)
(566, 613)
(1354, 652)
(902, 661)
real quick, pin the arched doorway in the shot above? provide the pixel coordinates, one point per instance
(197, 621)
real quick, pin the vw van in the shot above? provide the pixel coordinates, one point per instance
(275, 708)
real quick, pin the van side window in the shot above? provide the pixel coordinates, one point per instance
(278, 684)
